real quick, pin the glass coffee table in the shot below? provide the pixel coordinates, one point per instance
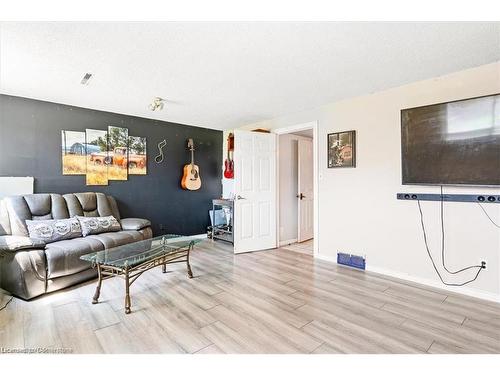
(131, 260)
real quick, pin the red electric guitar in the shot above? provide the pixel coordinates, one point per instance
(229, 163)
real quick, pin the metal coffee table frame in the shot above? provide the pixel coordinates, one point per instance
(131, 274)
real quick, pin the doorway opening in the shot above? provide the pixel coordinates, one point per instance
(297, 188)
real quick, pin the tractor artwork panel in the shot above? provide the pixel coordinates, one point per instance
(103, 156)
(137, 155)
(97, 168)
(117, 153)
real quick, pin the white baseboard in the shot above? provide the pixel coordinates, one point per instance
(328, 258)
(425, 282)
(288, 242)
(436, 284)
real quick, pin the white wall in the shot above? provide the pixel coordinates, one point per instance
(288, 177)
(358, 211)
(16, 186)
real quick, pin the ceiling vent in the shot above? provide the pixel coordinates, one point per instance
(86, 78)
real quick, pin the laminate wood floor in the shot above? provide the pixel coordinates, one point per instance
(276, 301)
(305, 247)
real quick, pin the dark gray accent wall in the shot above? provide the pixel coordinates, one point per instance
(30, 145)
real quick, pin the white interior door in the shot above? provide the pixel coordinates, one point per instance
(305, 190)
(255, 191)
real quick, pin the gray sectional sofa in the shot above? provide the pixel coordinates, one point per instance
(31, 267)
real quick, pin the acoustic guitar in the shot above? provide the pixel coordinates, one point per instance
(229, 163)
(191, 179)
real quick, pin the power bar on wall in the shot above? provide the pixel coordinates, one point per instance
(476, 198)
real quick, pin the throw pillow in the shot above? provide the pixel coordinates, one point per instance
(54, 230)
(95, 225)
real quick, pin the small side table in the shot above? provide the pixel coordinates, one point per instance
(223, 232)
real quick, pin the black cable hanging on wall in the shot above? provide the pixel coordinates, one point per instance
(488, 216)
(443, 242)
(479, 267)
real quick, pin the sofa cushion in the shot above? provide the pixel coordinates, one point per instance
(134, 223)
(32, 207)
(54, 230)
(15, 243)
(63, 257)
(95, 225)
(4, 220)
(113, 239)
(91, 205)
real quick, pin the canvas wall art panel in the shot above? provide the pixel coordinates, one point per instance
(97, 157)
(137, 155)
(118, 153)
(73, 152)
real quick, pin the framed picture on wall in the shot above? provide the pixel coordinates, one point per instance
(342, 149)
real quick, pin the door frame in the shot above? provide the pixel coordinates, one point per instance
(292, 129)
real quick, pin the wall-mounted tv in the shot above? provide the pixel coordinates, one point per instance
(454, 143)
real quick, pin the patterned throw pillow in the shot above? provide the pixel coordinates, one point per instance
(95, 225)
(54, 230)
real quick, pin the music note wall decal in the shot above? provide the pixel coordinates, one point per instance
(159, 157)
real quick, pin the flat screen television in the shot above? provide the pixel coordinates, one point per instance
(454, 143)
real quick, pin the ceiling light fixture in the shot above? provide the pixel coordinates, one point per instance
(157, 104)
(86, 78)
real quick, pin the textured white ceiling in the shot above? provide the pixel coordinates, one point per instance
(225, 75)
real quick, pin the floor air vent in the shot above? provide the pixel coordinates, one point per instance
(355, 261)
